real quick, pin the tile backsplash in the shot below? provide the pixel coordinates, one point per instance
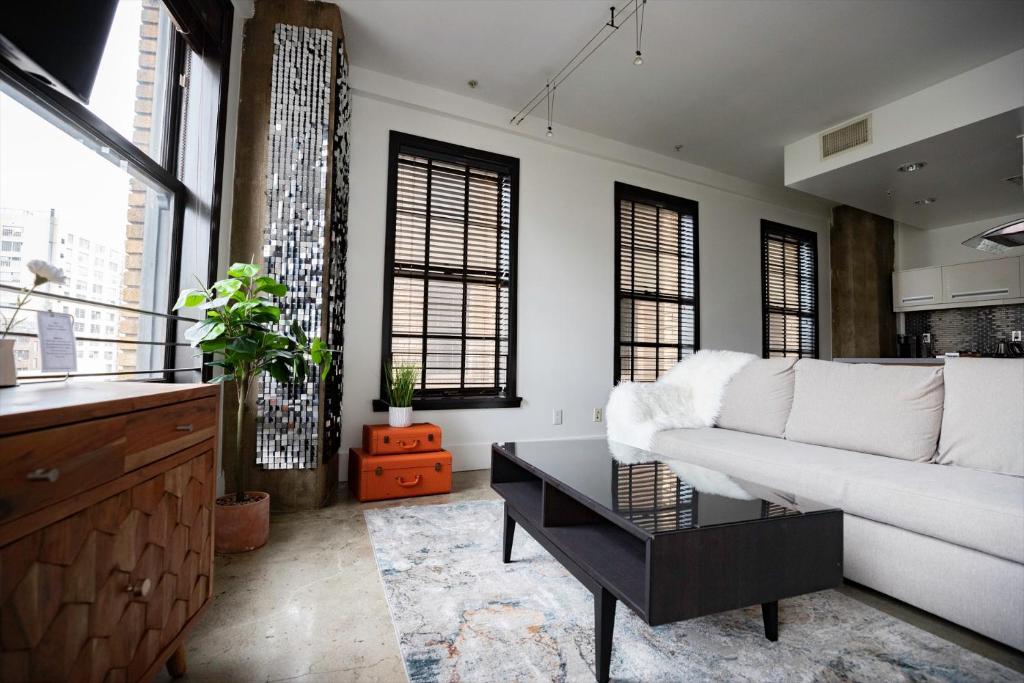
(967, 329)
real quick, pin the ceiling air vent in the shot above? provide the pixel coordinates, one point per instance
(846, 137)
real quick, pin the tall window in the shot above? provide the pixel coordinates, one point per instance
(449, 288)
(789, 284)
(656, 299)
(109, 191)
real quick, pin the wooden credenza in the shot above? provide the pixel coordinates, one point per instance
(106, 527)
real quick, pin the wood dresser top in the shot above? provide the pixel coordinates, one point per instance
(37, 406)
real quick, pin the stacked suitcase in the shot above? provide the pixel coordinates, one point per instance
(398, 462)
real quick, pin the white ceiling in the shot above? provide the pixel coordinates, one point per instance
(733, 81)
(966, 173)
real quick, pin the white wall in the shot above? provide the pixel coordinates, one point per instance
(566, 211)
(943, 247)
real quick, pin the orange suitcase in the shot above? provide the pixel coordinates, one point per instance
(373, 477)
(422, 437)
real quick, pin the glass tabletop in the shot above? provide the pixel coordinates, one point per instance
(657, 493)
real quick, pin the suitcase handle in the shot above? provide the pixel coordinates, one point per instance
(413, 444)
(408, 484)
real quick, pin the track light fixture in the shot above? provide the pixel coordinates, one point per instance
(638, 10)
(619, 18)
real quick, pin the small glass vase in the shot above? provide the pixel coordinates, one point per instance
(400, 417)
(8, 370)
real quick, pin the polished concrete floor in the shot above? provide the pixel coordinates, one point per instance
(309, 606)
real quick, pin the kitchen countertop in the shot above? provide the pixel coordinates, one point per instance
(894, 361)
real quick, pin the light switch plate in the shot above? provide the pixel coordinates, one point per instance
(556, 416)
(598, 414)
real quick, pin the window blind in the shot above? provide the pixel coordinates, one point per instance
(656, 282)
(450, 275)
(789, 275)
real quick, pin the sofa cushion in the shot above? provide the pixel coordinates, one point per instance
(983, 415)
(882, 409)
(971, 508)
(758, 398)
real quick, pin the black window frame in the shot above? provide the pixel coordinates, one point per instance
(450, 399)
(205, 27)
(681, 205)
(804, 236)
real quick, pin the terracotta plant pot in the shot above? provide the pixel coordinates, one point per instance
(241, 528)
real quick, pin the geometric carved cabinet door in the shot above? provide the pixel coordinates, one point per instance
(97, 595)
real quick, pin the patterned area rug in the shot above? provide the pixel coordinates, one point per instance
(462, 615)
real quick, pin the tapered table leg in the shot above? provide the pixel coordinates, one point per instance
(604, 627)
(510, 531)
(177, 664)
(770, 613)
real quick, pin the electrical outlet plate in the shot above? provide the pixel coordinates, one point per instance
(556, 416)
(1015, 335)
(598, 414)
(926, 337)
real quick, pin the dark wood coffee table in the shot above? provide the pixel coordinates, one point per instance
(669, 539)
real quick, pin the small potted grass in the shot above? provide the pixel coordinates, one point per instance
(400, 385)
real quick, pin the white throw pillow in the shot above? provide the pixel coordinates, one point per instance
(891, 410)
(983, 419)
(758, 399)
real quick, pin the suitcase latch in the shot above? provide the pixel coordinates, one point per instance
(379, 471)
(430, 437)
(387, 439)
(437, 467)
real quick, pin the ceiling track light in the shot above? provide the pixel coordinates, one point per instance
(619, 18)
(638, 10)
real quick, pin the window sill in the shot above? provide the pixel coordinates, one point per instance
(455, 403)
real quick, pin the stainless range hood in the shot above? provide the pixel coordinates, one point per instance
(1000, 238)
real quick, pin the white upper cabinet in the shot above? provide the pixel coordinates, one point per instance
(921, 287)
(981, 281)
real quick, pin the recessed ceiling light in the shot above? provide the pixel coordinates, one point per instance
(925, 202)
(679, 148)
(472, 83)
(912, 166)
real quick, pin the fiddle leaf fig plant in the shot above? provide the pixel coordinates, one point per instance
(242, 331)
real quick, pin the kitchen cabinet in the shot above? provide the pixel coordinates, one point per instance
(981, 281)
(918, 288)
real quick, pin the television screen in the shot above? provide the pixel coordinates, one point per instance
(59, 42)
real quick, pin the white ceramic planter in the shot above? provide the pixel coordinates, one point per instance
(400, 417)
(8, 371)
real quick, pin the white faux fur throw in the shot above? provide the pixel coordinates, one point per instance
(687, 396)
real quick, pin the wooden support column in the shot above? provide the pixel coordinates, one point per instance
(862, 251)
(290, 489)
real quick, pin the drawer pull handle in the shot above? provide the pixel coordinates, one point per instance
(981, 292)
(408, 445)
(183, 428)
(924, 297)
(140, 590)
(43, 475)
(409, 484)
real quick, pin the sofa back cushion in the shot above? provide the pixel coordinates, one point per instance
(983, 417)
(891, 410)
(759, 397)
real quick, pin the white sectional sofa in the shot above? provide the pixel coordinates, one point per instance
(926, 462)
